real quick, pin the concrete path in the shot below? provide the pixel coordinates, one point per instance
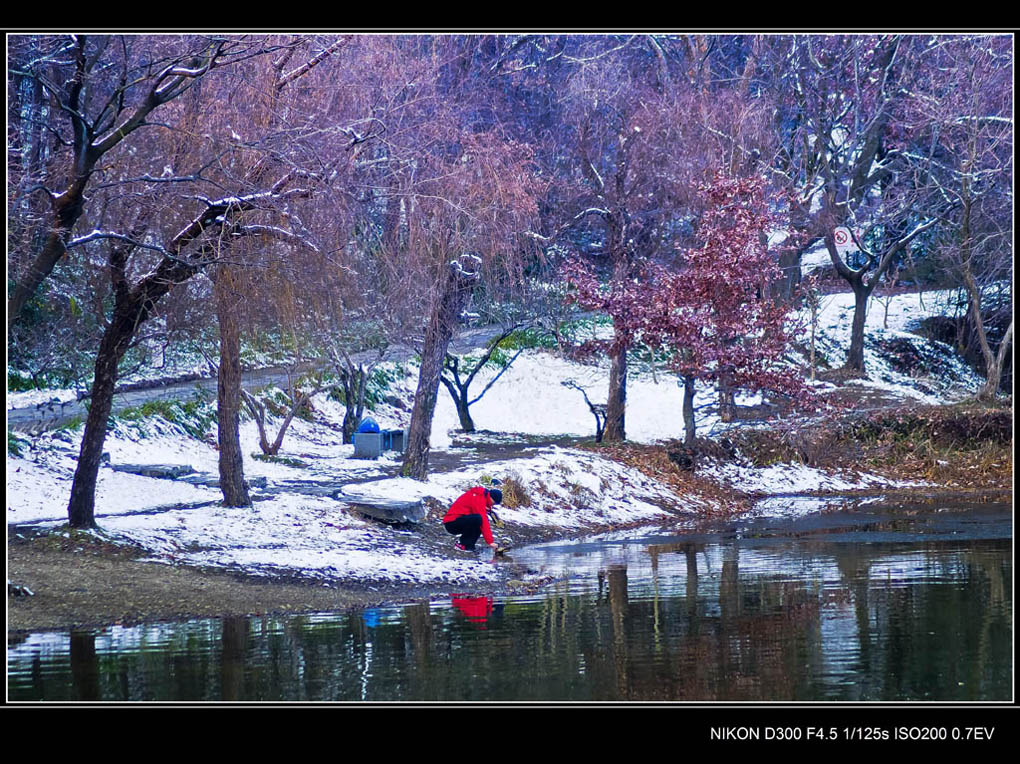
(54, 414)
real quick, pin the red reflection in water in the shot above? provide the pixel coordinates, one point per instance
(477, 609)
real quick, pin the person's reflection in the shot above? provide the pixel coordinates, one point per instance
(476, 609)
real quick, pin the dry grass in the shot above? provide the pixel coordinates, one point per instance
(988, 466)
(962, 447)
(654, 462)
(514, 493)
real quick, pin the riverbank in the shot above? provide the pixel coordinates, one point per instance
(724, 611)
(60, 579)
(299, 553)
(304, 546)
(80, 581)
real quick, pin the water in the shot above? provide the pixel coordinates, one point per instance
(869, 604)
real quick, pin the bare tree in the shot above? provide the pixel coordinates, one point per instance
(101, 91)
(649, 118)
(196, 246)
(462, 275)
(263, 122)
(448, 202)
(598, 410)
(962, 108)
(354, 377)
(459, 386)
(228, 391)
(843, 156)
(299, 397)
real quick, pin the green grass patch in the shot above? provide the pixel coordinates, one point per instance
(72, 424)
(527, 339)
(23, 382)
(16, 444)
(20, 383)
(380, 383)
(378, 388)
(287, 461)
(195, 417)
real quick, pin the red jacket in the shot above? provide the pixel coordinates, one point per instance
(475, 502)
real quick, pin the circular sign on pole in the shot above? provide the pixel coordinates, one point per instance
(844, 240)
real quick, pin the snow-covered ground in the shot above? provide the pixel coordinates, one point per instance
(940, 375)
(291, 531)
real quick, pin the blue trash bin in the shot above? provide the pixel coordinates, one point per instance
(368, 425)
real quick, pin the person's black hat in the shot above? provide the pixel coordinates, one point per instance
(497, 495)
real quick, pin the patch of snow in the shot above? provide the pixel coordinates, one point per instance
(948, 377)
(40, 398)
(793, 479)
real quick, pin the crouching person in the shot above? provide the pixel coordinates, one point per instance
(469, 517)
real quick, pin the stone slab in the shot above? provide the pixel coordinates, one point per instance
(386, 510)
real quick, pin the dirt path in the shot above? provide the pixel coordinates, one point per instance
(78, 581)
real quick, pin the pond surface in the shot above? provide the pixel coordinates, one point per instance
(860, 604)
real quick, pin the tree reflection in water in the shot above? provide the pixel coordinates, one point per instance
(680, 621)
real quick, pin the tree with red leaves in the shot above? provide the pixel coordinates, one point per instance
(712, 316)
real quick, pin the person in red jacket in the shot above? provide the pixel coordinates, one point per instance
(469, 517)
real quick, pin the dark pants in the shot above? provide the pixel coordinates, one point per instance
(468, 526)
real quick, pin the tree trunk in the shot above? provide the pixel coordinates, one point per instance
(298, 400)
(727, 406)
(813, 301)
(53, 248)
(467, 424)
(616, 402)
(81, 508)
(455, 291)
(688, 411)
(354, 382)
(132, 308)
(789, 264)
(416, 459)
(392, 220)
(459, 393)
(350, 425)
(855, 357)
(861, 288)
(258, 412)
(993, 362)
(228, 395)
(994, 366)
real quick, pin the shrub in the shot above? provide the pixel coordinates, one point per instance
(514, 492)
